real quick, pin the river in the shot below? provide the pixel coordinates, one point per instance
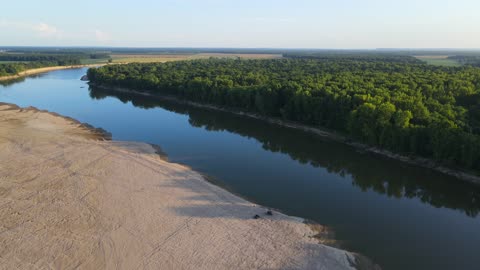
(399, 215)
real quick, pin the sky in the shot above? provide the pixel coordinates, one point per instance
(334, 24)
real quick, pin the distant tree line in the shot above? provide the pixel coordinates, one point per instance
(73, 58)
(22, 62)
(99, 56)
(397, 104)
(350, 56)
(473, 60)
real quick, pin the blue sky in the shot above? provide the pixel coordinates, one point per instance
(342, 24)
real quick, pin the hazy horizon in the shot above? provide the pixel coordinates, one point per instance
(282, 24)
(238, 48)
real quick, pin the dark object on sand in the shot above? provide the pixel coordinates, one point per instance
(256, 217)
(269, 213)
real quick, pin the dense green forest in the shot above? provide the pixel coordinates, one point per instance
(351, 56)
(20, 62)
(39, 57)
(12, 63)
(395, 103)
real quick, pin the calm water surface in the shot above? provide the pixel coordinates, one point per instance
(401, 216)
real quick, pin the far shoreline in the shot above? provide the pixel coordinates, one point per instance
(35, 71)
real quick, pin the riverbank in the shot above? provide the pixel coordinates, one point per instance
(72, 198)
(43, 70)
(413, 160)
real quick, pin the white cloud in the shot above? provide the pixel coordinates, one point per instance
(102, 36)
(41, 29)
(46, 30)
(47, 33)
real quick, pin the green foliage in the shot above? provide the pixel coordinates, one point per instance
(21, 62)
(59, 58)
(99, 56)
(352, 56)
(397, 103)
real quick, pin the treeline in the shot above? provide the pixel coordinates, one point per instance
(59, 58)
(351, 56)
(99, 56)
(404, 106)
(473, 60)
(22, 62)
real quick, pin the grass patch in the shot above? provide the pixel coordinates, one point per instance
(438, 60)
(152, 58)
(93, 61)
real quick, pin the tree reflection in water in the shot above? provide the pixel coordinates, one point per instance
(389, 177)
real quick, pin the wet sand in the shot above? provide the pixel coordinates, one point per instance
(71, 199)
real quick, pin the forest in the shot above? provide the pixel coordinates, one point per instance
(352, 56)
(15, 63)
(396, 103)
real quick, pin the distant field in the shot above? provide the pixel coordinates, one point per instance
(438, 60)
(93, 61)
(149, 58)
(241, 55)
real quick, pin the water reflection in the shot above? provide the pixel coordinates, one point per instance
(12, 81)
(388, 177)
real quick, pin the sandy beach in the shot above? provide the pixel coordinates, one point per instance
(71, 199)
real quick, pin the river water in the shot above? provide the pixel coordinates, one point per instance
(401, 216)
